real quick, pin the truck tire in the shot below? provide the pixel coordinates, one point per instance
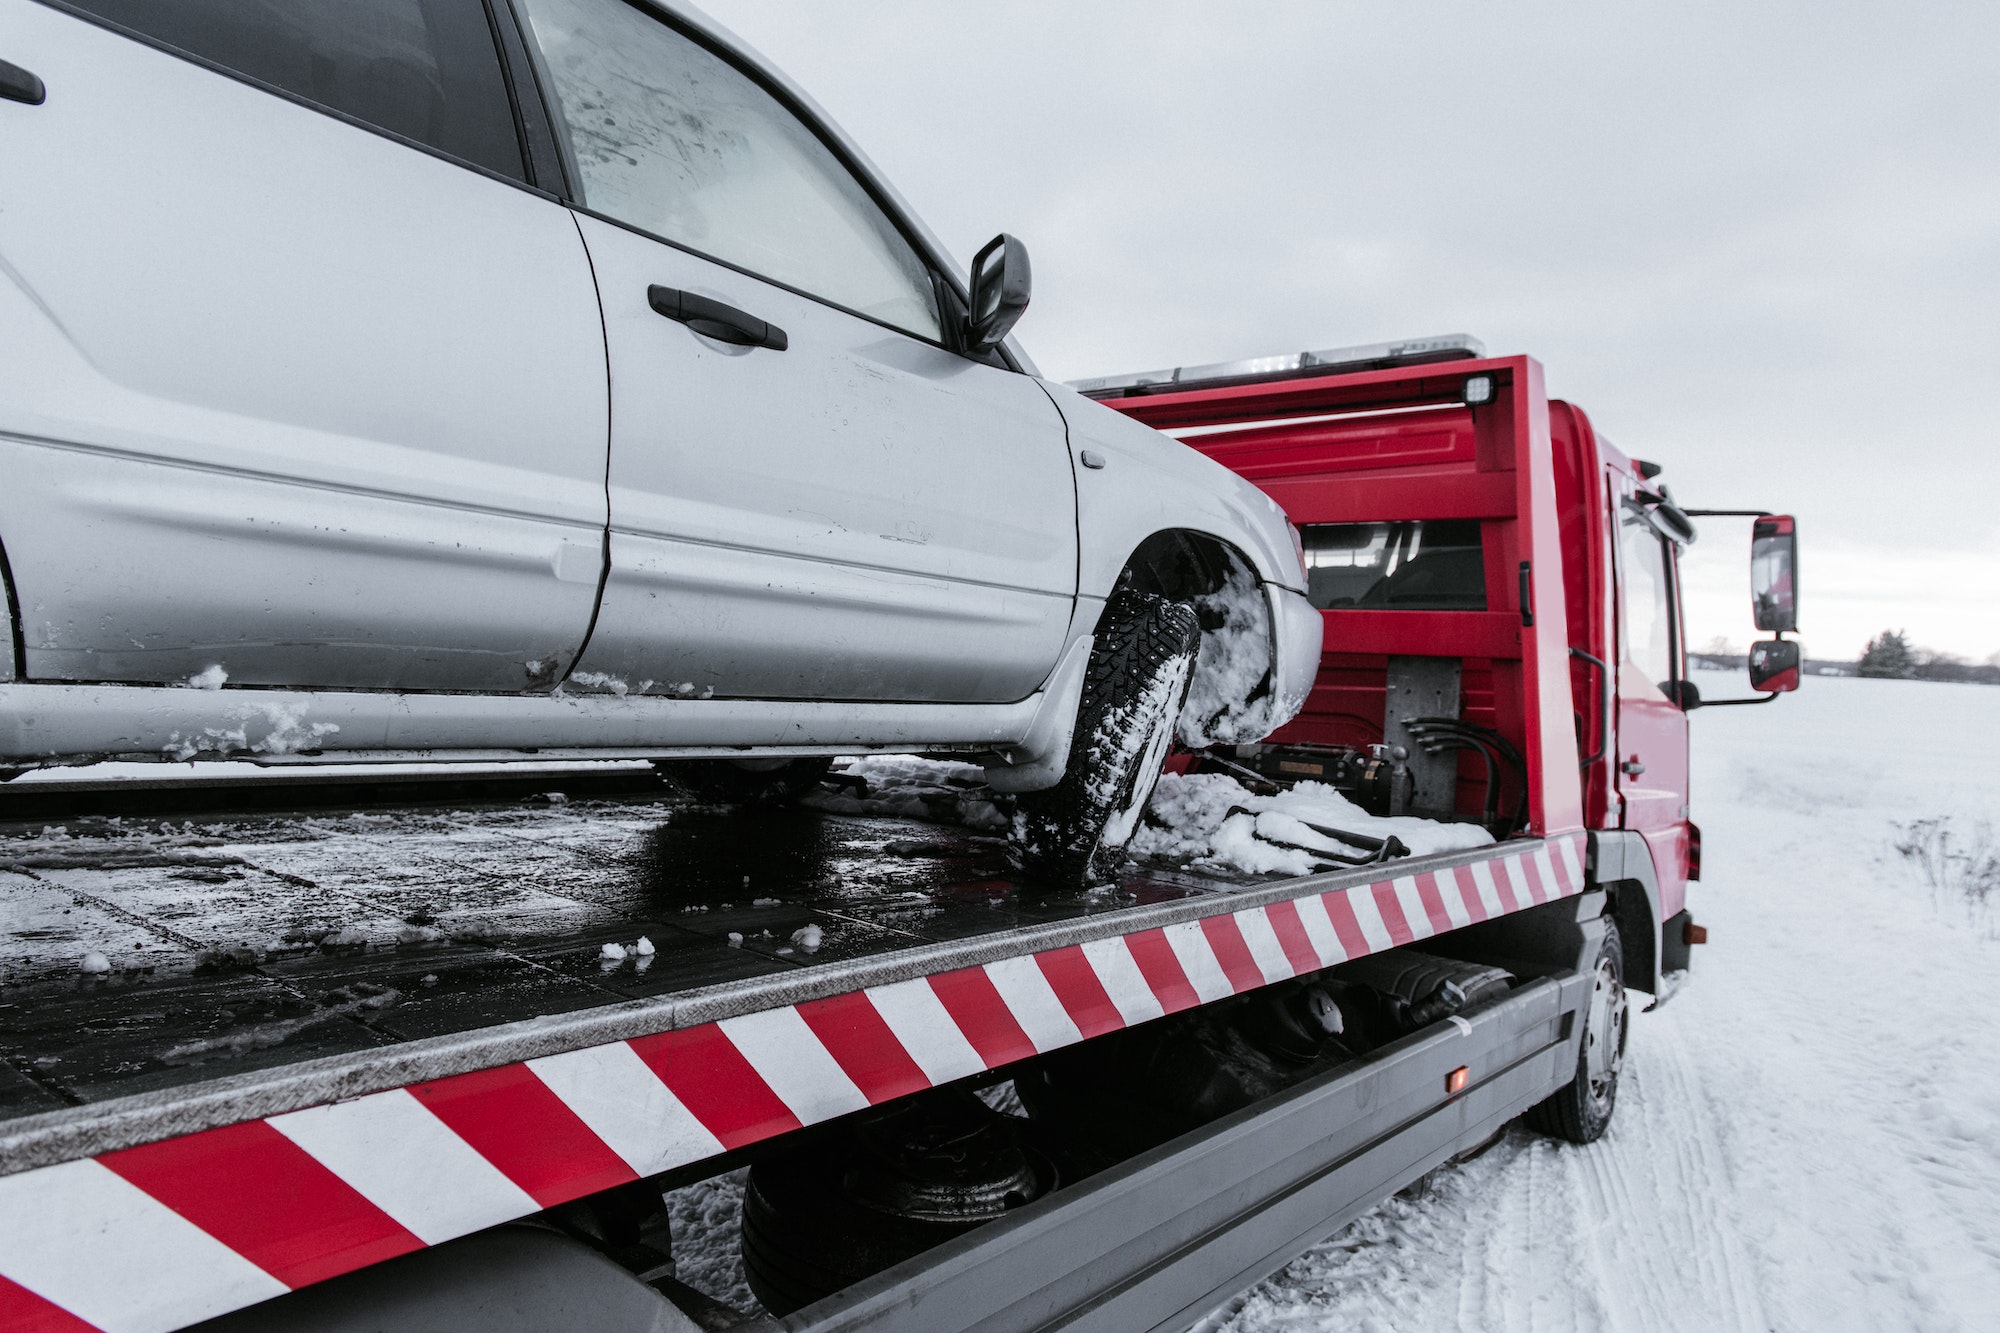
(1582, 1109)
(744, 781)
(1140, 668)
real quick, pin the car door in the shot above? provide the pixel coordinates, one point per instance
(301, 380)
(1652, 729)
(850, 511)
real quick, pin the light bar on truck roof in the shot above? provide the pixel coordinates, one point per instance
(1368, 356)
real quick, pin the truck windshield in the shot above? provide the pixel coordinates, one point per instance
(1434, 565)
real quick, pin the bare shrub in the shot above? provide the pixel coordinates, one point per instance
(1964, 867)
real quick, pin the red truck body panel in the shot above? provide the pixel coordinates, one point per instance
(1388, 445)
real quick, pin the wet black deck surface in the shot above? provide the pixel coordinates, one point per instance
(244, 941)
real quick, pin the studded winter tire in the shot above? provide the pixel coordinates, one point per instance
(1075, 832)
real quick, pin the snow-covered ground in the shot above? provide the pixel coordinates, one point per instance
(1808, 1136)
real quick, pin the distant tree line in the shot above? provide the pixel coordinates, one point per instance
(1891, 656)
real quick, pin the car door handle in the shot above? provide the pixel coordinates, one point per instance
(1632, 768)
(17, 85)
(713, 319)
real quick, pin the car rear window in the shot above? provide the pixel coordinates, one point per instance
(1435, 565)
(423, 69)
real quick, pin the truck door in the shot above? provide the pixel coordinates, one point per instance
(1652, 767)
(300, 380)
(846, 510)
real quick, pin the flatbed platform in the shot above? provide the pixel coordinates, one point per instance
(312, 1040)
(240, 942)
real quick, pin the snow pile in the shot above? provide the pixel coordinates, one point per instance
(1189, 823)
(1235, 660)
(707, 1220)
(901, 786)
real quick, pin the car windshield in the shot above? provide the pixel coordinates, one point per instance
(1434, 565)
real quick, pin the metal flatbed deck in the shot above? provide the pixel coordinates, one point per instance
(239, 942)
(329, 1036)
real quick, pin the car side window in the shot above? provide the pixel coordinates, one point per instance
(670, 138)
(425, 69)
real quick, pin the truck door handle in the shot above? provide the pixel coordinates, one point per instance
(713, 319)
(1632, 768)
(17, 85)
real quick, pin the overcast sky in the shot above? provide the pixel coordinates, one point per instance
(1758, 243)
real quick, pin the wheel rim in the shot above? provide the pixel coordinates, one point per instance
(1604, 1035)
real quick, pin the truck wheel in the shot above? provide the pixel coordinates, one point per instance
(1581, 1110)
(859, 1198)
(744, 781)
(1140, 669)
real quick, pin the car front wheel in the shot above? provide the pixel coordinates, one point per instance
(1140, 667)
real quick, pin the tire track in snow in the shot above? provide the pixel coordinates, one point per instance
(1664, 1254)
(1627, 1234)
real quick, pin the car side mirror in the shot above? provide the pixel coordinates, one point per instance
(1774, 666)
(1001, 283)
(1774, 577)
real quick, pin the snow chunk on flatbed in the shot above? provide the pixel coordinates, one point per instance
(902, 786)
(1189, 823)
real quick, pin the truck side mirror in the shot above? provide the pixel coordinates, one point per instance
(1001, 283)
(1774, 578)
(1774, 666)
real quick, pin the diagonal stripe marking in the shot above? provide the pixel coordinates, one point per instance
(257, 1192)
(793, 1064)
(1123, 982)
(1164, 974)
(1368, 920)
(1556, 888)
(1444, 884)
(975, 1006)
(1081, 993)
(22, 1311)
(1197, 959)
(920, 1021)
(1415, 910)
(1489, 893)
(1320, 929)
(408, 1163)
(1390, 909)
(88, 1241)
(864, 1046)
(1573, 863)
(612, 1090)
(711, 1078)
(1261, 939)
(1028, 996)
(1232, 954)
(519, 1124)
(1292, 937)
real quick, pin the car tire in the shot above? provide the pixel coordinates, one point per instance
(1581, 1110)
(744, 781)
(1140, 668)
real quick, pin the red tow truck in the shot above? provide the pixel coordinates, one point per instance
(360, 1052)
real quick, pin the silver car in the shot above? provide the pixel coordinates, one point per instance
(439, 379)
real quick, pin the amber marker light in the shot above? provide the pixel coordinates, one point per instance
(1454, 1082)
